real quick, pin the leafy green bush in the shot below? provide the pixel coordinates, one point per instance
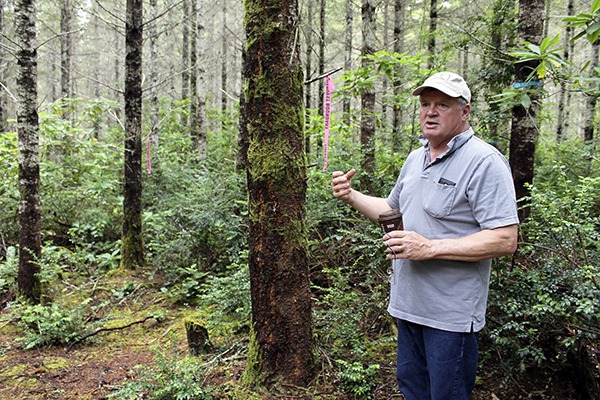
(358, 381)
(547, 308)
(8, 271)
(48, 325)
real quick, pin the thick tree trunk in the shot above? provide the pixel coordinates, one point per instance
(281, 349)
(132, 245)
(29, 163)
(367, 100)
(524, 129)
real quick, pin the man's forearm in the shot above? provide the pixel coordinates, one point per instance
(489, 243)
(369, 206)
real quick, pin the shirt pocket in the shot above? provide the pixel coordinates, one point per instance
(439, 199)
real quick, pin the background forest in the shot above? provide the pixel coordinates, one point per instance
(535, 98)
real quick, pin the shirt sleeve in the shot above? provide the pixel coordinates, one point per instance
(491, 193)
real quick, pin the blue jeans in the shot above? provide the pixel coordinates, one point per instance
(435, 364)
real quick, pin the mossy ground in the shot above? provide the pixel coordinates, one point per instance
(97, 366)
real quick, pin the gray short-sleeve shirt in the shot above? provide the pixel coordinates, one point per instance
(467, 189)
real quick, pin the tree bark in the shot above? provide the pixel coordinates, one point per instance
(154, 107)
(591, 99)
(281, 348)
(433, 15)
(224, 67)
(347, 58)
(562, 125)
(132, 245)
(367, 100)
(502, 37)
(399, 11)
(524, 129)
(309, 51)
(66, 13)
(185, 57)
(197, 102)
(30, 246)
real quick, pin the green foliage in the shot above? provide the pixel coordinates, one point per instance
(547, 57)
(9, 188)
(172, 378)
(48, 325)
(590, 22)
(357, 380)
(8, 271)
(544, 310)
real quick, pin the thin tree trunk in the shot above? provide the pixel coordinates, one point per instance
(323, 4)
(132, 245)
(367, 99)
(347, 58)
(224, 68)
(29, 162)
(197, 102)
(185, 57)
(320, 94)
(399, 11)
(200, 117)
(563, 111)
(591, 100)
(384, 77)
(433, 15)
(66, 13)
(154, 107)
(282, 346)
(524, 120)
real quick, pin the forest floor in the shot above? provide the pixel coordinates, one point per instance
(100, 364)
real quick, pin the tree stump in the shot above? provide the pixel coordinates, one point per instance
(197, 337)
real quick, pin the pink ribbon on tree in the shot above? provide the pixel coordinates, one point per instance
(329, 87)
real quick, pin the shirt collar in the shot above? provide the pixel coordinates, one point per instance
(454, 144)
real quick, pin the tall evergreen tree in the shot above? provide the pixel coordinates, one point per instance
(524, 127)
(132, 243)
(281, 348)
(29, 160)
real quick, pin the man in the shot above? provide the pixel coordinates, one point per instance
(458, 203)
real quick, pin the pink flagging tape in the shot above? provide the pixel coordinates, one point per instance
(329, 87)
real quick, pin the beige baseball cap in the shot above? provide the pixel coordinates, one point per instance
(447, 82)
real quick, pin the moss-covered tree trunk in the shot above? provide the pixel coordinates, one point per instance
(132, 246)
(29, 160)
(281, 350)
